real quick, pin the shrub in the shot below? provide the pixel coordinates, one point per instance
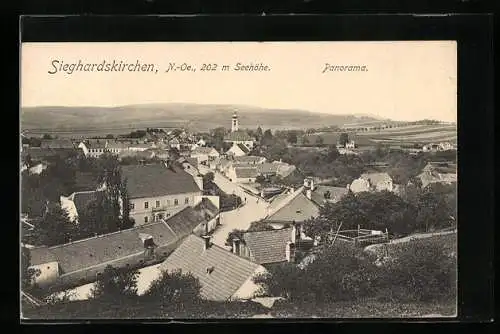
(175, 290)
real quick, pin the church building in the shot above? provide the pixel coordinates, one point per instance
(237, 136)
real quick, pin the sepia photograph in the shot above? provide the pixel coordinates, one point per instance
(238, 180)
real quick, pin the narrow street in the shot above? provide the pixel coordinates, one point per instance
(252, 210)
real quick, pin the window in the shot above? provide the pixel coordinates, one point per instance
(146, 219)
(132, 206)
(176, 202)
(168, 202)
(157, 204)
(186, 200)
(168, 214)
(146, 205)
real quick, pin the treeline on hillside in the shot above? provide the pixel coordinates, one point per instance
(40, 200)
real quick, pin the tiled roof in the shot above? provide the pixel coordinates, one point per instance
(96, 144)
(186, 220)
(298, 209)
(249, 159)
(246, 172)
(85, 253)
(229, 273)
(268, 167)
(268, 246)
(375, 178)
(336, 193)
(428, 178)
(117, 144)
(239, 135)
(204, 150)
(157, 180)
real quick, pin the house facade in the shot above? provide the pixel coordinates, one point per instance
(205, 155)
(157, 191)
(242, 174)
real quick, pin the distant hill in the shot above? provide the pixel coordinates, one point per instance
(197, 117)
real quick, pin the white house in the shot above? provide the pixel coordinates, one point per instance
(204, 154)
(238, 150)
(372, 182)
(159, 191)
(242, 174)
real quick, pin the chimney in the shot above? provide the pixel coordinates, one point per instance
(312, 185)
(207, 238)
(236, 246)
(290, 252)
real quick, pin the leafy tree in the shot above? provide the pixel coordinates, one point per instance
(332, 154)
(114, 284)
(434, 211)
(343, 139)
(319, 141)
(424, 270)
(292, 137)
(175, 289)
(174, 153)
(267, 138)
(47, 136)
(259, 133)
(27, 274)
(55, 227)
(126, 221)
(109, 136)
(234, 234)
(208, 178)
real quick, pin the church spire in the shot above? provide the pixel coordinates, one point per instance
(234, 122)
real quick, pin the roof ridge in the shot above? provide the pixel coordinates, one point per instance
(287, 201)
(135, 228)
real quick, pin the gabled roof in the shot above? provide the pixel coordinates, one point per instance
(85, 253)
(246, 172)
(204, 150)
(298, 208)
(157, 180)
(268, 246)
(229, 272)
(185, 221)
(375, 178)
(239, 135)
(249, 159)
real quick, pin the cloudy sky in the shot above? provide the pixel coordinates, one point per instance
(404, 81)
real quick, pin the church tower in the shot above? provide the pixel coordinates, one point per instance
(234, 123)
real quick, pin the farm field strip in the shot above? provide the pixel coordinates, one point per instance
(408, 131)
(425, 136)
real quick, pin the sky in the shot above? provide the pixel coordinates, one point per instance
(404, 80)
